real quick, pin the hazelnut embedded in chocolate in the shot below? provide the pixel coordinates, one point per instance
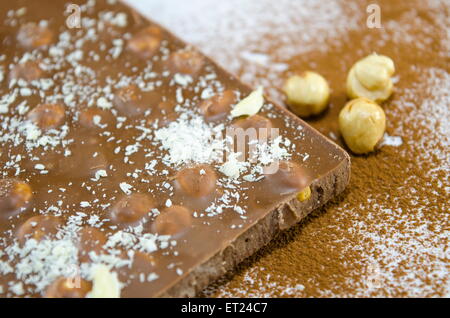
(146, 42)
(67, 287)
(128, 100)
(164, 113)
(218, 107)
(255, 121)
(131, 209)
(84, 161)
(166, 107)
(173, 221)
(262, 127)
(289, 176)
(39, 227)
(94, 118)
(47, 116)
(28, 71)
(197, 182)
(304, 195)
(14, 195)
(33, 36)
(91, 240)
(186, 61)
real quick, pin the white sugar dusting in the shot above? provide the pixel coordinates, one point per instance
(393, 141)
(258, 284)
(190, 140)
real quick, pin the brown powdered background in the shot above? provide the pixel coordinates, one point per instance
(388, 234)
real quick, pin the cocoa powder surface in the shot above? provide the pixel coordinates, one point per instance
(388, 234)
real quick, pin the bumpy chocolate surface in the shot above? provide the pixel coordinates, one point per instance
(108, 155)
(388, 234)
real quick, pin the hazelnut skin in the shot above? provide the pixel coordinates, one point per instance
(307, 94)
(371, 78)
(362, 123)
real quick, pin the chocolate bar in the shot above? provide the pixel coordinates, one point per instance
(133, 165)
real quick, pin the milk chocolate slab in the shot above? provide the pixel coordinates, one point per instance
(112, 158)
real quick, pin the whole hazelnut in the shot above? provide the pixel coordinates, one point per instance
(307, 94)
(371, 78)
(362, 123)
